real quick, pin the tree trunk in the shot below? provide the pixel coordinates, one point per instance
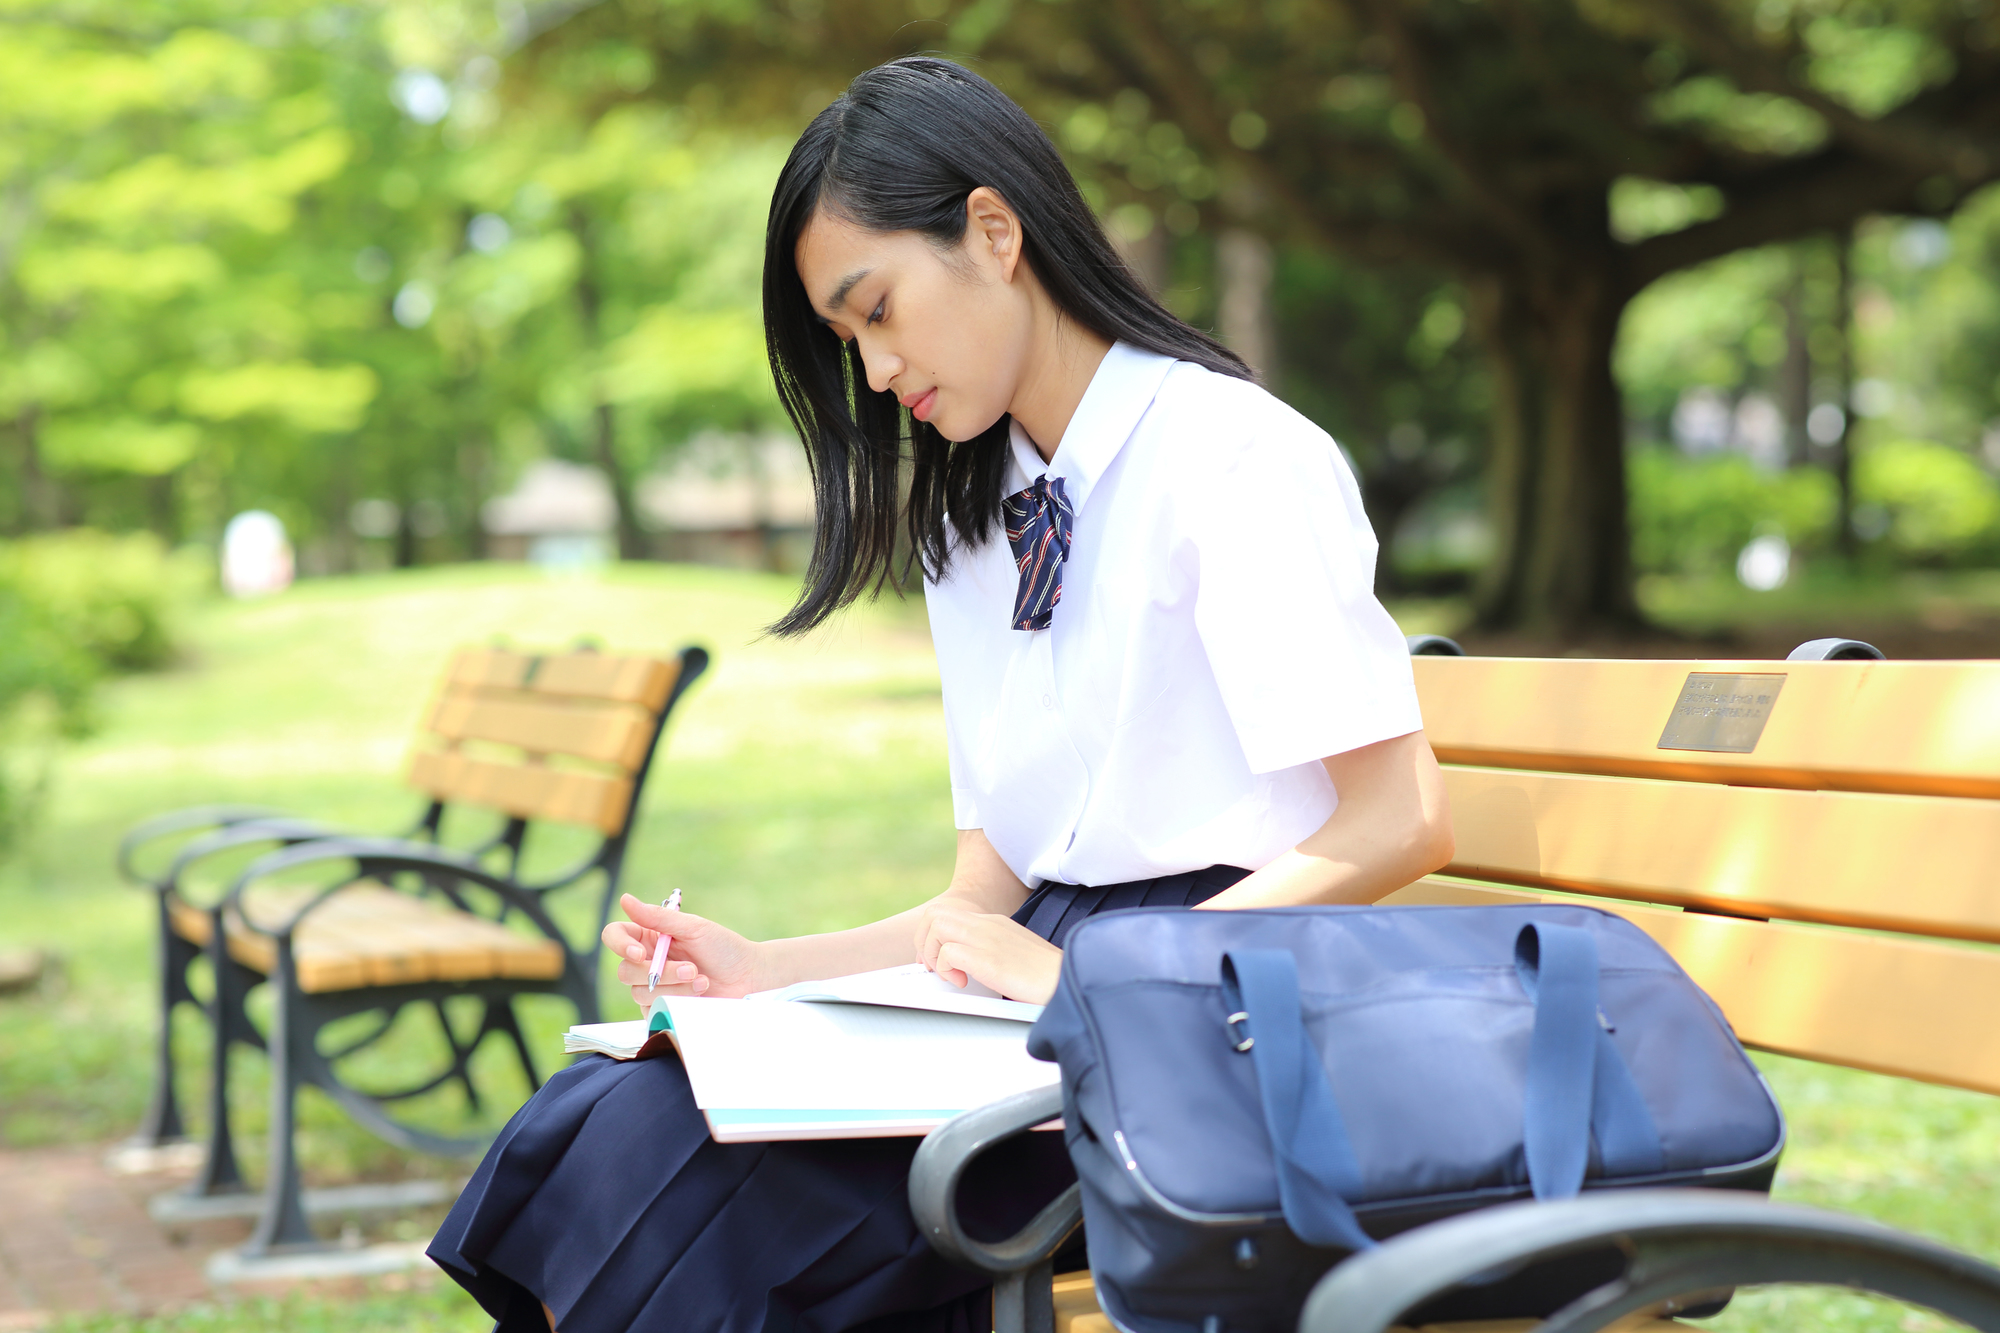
(1843, 447)
(405, 548)
(604, 447)
(1795, 373)
(1561, 562)
(604, 418)
(1245, 265)
(41, 499)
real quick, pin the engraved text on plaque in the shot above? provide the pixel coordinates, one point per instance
(1720, 713)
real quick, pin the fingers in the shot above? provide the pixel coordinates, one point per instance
(655, 917)
(624, 938)
(678, 973)
(951, 964)
(939, 927)
(644, 998)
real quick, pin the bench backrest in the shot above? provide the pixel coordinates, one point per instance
(1817, 843)
(565, 737)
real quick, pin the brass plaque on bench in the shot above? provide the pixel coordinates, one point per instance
(1723, 714)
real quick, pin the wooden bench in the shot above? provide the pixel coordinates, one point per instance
(1816, 842)
(344, 925)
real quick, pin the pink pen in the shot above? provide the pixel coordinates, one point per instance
(672, 902)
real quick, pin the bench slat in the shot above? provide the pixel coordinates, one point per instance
(1887, 862)
(373, 936)
(1926, 728)
(645, 681)
(605, 733)
(1912, 1008)
(527, 790)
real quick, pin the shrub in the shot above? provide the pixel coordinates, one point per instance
(1941, 506)
(112, 597)
(74, 606)
(1694, 514)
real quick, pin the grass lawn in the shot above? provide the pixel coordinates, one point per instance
(801, 787)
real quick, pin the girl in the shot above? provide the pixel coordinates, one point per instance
(1166, 681)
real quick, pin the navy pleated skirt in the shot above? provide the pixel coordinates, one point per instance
(605, 1199)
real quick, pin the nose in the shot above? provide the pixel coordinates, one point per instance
(882, 366)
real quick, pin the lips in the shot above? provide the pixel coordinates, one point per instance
(920, 406)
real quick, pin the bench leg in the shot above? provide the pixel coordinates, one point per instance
(229, 1024)
(500, 1017)
(461, 1056)
(1024, 1302)
(282, 1224)
(162, 1123)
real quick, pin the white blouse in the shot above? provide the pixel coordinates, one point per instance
(1218, 635)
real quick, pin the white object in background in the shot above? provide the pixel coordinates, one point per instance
(256, 558)
(1765, 563)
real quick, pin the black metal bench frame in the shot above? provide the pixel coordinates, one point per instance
(299, 1015)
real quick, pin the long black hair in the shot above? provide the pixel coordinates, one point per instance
(899, 151)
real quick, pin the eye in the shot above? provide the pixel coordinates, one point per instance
(875, 316)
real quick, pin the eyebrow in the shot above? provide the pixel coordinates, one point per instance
(839, 297)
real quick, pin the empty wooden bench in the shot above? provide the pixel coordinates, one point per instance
(1816, 842)
(343, 925)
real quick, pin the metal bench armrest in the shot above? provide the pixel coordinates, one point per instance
(183, 821)
(242, 833)
(377, 857)
(1022, 1263)
(1680, 1242)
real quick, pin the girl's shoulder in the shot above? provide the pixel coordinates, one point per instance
(1206, 419)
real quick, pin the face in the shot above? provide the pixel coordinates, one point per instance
(947, 332)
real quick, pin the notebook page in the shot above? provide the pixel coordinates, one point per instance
(910, 986)
(850, 1057)
(622, 1040)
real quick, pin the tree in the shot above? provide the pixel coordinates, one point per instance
(1486, 141)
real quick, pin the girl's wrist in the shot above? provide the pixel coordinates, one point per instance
(771, 965)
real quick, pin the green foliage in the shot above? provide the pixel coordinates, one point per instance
(1927, 321)
(38, 661)
(74, 607)
(38, 666)
(1692, 515)
(112, 598)
(1941, 505)
(247, 269)
(389, 1306)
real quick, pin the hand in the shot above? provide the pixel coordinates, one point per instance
(704, 959)
(958, 943)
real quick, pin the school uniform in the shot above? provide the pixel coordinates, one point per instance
(1140, 679)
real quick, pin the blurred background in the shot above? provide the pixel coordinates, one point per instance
(333, 336)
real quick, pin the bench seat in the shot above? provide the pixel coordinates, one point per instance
(371, 935)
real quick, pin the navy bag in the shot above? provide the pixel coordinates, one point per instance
(1251, 1096)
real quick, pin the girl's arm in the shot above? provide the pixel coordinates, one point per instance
(710, 959)
(1393, 826)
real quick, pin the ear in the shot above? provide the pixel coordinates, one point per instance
(992, 228)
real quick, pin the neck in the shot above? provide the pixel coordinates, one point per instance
(1063, 359)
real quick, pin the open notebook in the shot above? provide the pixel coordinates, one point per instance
(898, 1051)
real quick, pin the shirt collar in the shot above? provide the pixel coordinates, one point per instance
(1119, 394)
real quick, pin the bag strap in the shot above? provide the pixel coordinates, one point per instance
(1315, 1160)
(1578, 1082)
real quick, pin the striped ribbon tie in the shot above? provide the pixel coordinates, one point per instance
(1038, 529)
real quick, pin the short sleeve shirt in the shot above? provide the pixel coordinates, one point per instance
(1217, 636)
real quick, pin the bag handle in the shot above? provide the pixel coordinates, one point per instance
(1578, 1083)
(1316, 1166)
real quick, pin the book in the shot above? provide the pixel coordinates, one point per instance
(892, 1052)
